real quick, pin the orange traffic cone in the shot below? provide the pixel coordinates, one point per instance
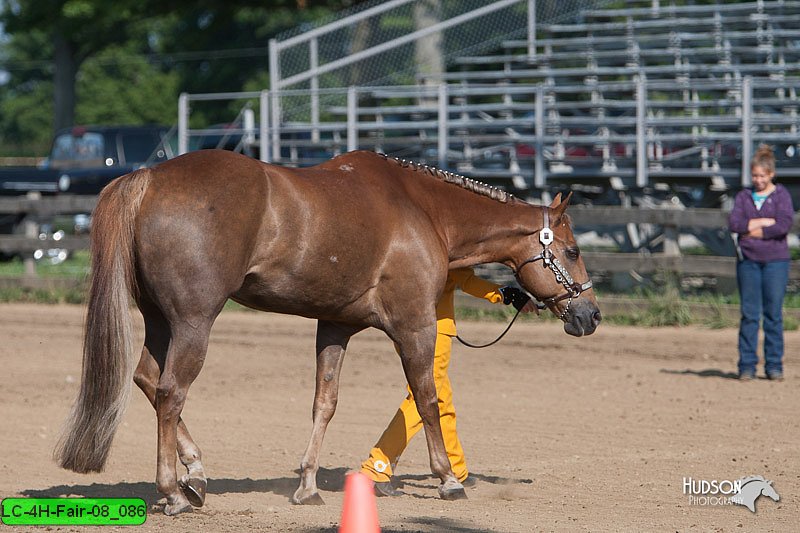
(359, 510)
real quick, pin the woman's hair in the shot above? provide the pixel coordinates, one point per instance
(764, 158)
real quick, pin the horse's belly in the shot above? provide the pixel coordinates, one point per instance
(281, 294)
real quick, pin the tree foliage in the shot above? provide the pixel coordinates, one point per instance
(126, 61)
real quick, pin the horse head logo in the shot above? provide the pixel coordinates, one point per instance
(752, 488)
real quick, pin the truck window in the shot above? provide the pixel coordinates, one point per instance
(137, 147)
(78, 150)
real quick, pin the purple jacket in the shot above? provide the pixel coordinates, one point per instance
(778, 205)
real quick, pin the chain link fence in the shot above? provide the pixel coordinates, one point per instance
(306, 54)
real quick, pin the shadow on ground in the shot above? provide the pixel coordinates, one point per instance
(707, 373)
(331, 480)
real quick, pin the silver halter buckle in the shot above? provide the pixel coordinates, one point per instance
(546, 236)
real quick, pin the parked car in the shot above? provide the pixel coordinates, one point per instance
(84, 159)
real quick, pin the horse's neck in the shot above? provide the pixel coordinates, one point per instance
(483, 230)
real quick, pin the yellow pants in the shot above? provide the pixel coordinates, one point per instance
(407, 422)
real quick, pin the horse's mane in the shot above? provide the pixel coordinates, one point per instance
(748, 479)
(465, 183)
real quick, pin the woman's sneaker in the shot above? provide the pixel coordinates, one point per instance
(775, 376)
(747, 376)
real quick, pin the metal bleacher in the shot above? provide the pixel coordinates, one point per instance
(653, 96)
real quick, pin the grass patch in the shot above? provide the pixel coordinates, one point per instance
(42, 296)
(76, 266)
(665, 308)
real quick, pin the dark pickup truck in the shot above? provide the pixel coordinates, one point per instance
(83, 160)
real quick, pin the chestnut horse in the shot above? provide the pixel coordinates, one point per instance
(363, 240)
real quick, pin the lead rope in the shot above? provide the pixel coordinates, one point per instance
(470, 345)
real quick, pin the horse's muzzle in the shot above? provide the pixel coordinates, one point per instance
(583, 319)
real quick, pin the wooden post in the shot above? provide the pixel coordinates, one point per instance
(31, 227)
(671, 246)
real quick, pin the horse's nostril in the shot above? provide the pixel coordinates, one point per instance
(596, 317)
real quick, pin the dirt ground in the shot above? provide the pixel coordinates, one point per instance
(562, 434)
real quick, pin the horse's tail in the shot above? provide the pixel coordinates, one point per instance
(107, 344)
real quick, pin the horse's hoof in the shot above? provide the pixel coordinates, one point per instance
(194, 489)
(178, 508)
(311, 499)
(451, 493)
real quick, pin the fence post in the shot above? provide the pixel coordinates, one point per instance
(747, 129)
(313, 59)
(249, 123)
(263, 128)
(31, 232)
(352, 118)
(274, 81)
(538, 173)
(641, 126)
(671, 246)
(183, 123)
(531, 29)
(443, 126)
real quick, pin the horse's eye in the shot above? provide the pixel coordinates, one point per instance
(573, 253)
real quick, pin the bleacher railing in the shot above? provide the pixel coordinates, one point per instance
(639, 133)
(639, 103)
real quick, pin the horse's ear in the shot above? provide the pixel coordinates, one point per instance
(556, 201)
(558, 210)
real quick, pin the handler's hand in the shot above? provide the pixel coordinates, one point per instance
(515, 297)
(530, 306)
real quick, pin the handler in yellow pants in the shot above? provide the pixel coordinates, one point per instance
(407, 422)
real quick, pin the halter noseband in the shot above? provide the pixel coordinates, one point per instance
(549, 260)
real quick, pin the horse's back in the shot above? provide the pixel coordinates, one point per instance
(315, 241)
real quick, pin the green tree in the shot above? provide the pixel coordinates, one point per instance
(119, 86)
(26, 99)
(76, 30)
(116, 55)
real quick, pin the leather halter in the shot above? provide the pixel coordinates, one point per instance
(549, 260)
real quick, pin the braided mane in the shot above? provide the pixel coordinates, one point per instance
(465, 183)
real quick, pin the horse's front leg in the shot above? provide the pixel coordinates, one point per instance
(332, 342)
(417, 355)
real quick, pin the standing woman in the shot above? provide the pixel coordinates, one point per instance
(762, 217)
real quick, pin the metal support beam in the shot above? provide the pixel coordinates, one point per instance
(443, 127)
(352, 119)
(274, 82)
(263, 128)
(313, 60)
(641, 126)
(531, 29)
(183, 123)
(538, 174)
(747, 129)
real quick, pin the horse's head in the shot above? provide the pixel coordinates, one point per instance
(768, 490)
(548, 265)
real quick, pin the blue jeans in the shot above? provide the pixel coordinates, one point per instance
(762, 287)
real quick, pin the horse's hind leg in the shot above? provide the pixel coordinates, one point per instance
(332, 342)
(146, 377)
(185, 357)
